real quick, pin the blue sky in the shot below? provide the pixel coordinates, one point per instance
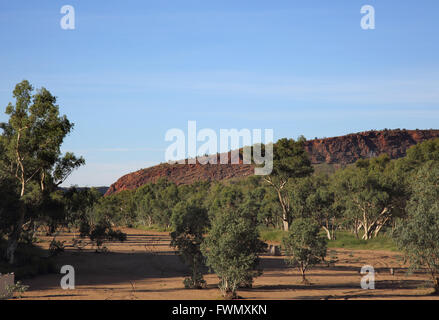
(131, 70)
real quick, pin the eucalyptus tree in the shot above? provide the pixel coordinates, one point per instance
(418, 235)
(313, 198)
(31, 151)
(304, 246)
(190, 222)
(290, 161)
(370, 193)
(232, 246)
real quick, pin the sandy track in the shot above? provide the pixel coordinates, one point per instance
(145, 267)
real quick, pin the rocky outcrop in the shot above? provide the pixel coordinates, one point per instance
(349, 148)
(335, 151)
(182, 174)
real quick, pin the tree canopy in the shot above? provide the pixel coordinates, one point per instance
(418, 235)
(30, 153)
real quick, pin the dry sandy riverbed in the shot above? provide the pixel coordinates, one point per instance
(145, 267)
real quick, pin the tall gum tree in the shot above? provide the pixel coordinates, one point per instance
(290, 161)
(371, 194)
(30, 149)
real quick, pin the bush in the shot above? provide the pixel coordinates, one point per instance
(418, 236)
(190, 222)
(100, 233)
(232, 246)
(304, 245)
(18, 288)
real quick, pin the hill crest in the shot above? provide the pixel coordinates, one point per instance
(339, 151)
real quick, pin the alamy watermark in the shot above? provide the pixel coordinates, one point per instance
(67, 21)
(68, 281)
(368, 280)
(368, 19)
(254, 151)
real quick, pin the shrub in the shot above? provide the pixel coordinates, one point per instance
(232, 247)
(190, 222)
(304, 245)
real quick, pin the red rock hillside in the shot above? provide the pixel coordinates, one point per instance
(337, 150)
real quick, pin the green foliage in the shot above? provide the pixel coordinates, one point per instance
(370, 194)
(9, 205)
(51, 211)
(149, 207)
(313, 198)
(345, 239)
(366, 198)
(164, 201)
(423, 152)
(29, 261)
(118, 209)
(290, 159)
(30, 153)
(77, 202)
(154, 203)
(154, 227)
(304, 246)
(16, 289)
(190, 221)
(325, 168)
(348, 240)
(418, 236)
(232, 245)
(290, 162)
(100, 232)
(271, 235)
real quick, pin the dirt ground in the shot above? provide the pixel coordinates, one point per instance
(145, 267)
